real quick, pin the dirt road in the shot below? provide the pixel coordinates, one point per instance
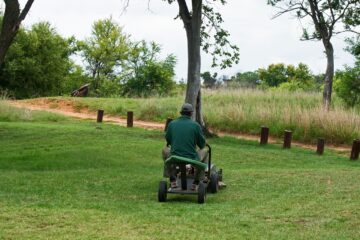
(66, 107)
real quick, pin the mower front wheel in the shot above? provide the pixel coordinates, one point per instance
(162, 193)
(201, 193)
(214, 183)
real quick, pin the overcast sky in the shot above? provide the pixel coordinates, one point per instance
(262, 41)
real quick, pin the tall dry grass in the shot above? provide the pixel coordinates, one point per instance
(246, 110)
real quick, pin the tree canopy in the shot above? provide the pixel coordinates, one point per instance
(37, 62)
(328, 18)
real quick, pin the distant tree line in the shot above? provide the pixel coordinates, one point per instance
(296, 78)
(40, 62)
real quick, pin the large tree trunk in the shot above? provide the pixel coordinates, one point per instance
(329, 75)
(192, 27)
(11, 23)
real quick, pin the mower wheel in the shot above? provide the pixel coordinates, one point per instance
(214, 183)
(201, 193)
(162, 191)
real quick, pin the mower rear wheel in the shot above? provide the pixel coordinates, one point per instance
(214, 183)
(201, 193)
(162, 193)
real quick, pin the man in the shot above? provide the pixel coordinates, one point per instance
(183, 135)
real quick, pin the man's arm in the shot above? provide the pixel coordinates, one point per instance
(201, 142)
(168, 136)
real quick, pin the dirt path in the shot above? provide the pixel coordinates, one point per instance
(66, 107)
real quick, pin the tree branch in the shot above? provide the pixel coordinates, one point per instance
(25, 11)
(184, 11)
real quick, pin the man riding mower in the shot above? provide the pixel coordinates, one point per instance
(190, 171)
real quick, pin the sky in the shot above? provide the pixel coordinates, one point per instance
(261, 39)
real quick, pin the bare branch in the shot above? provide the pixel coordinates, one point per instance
(126, 5)
(25, 11)
(290, 9)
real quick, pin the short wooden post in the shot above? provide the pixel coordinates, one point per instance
(320, 146)
(355, 149)
(264, 135)
(130, 119)
(168, 120)
(100, 115)
(287, 139)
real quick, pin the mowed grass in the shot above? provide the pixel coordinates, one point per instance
(245, 111)
(82, 180)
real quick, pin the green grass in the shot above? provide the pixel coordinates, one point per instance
(245, 111)
(11, 114)
(81, 180)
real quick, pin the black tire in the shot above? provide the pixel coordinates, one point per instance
(214, 183)
(183, 176)
(162, 194)
(201, 193)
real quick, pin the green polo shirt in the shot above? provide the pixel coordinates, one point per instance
(183, 134)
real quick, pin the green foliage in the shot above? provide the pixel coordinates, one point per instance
(214, 38)
(209, 80)
(144, 74)
(121, 67)
(347, 82)
(247, 79)
(274, 75)
(73, 80)
(287, 77)
(347, 85)
(354, 46)
(37, 62)
(104, 51)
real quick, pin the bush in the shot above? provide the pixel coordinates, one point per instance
(347, 85)
(37, 62)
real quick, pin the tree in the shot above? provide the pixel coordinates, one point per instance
(197, 23)
(144, 74)
(354, 46)
(11, 24)
(328, 19)
(347, 83)
(203, 29)
(274, 75)
(37, 62)
(209, 80)
(288, 77)
(104, 51)
(247, 79)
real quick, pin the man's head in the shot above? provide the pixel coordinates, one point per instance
(186, 109)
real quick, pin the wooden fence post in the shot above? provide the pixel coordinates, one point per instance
(320, 146)
(100, 115)
(264, 135)
(355, 149)
(130, 119)
(287, 139)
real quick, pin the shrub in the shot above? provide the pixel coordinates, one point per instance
(347, 85)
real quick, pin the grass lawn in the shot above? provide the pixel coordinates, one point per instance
(79, 180)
